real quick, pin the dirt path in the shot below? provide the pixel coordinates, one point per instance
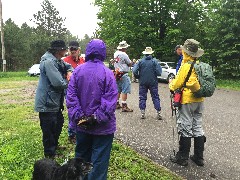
(154, 138)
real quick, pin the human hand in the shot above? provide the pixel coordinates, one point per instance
(69, 74)
(87, 122)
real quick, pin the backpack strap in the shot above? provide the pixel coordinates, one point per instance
(189, 73)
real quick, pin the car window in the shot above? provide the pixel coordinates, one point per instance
(172, 65)
(163, 64)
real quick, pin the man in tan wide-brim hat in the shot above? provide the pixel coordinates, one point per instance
(147, 71)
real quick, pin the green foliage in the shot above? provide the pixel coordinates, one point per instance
(25, 45)
(49, 22)
(159, 24)
(21, 143)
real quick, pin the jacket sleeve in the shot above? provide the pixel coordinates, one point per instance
(136, 69)
(68, 67)
(158, 68)
(54, 76)
(108, 100)
(73, 105)
(180, 78)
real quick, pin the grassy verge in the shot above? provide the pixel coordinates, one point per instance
(229, 84)
(21, 145)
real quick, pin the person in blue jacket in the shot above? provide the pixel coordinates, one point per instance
(178, 50)
(147, 70)
(54, 77)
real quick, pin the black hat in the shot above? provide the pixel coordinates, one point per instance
(58, 45)
(73, 44)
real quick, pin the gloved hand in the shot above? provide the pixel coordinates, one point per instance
(87, 122)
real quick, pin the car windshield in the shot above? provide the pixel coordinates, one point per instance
(172, 65)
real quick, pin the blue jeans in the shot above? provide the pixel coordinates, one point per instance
(143, 97)
(51, 124)
(71, 132)
(95, 149)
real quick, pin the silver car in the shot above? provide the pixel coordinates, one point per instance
(168, 70)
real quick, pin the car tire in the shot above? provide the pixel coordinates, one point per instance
(170, 76)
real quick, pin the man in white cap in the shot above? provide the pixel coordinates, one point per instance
(147, 70)
(122, 67)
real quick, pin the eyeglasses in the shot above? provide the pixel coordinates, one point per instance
(73, 49)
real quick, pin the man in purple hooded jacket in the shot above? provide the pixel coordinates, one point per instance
(92, 96)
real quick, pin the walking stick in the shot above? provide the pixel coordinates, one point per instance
(174, 112)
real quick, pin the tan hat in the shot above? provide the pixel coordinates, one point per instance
(191, 48)
(148, 50)
(123, 45)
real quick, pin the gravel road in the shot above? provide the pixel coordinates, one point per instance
(154, 138)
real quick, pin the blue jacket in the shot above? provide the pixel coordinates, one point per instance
(51, 84)
(179, 63)
(147, 70)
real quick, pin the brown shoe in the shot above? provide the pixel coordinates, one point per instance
(125, 108)
(118, 106)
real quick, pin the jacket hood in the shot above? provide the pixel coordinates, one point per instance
(148, 57)
(95, 50)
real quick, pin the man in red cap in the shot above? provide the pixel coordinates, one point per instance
(74, 50)
(74, 59)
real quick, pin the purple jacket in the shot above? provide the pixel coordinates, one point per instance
(93, 90)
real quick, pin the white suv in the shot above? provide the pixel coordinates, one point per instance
(34, 70)
(168, 70)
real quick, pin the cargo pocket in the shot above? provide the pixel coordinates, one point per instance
(53, 99)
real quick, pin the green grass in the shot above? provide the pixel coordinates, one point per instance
(16, 76)
(21, 144)
(229, 84)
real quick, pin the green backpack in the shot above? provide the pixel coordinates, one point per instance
(206, 79)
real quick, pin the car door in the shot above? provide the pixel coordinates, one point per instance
(165, 72)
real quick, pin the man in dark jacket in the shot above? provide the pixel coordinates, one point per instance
(147, 70)
(178, 50)
(54, 76)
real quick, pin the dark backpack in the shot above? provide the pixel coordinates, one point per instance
(206, 80)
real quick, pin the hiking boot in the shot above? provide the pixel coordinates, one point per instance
(179, 160)
(72, 139)
(182, 155)
(197, 158)
(143, 114)
(159, 115)
(118, 106)
(125, 108)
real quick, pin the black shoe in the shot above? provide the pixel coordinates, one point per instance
(197, 158)
(179, 160)
(197, 161)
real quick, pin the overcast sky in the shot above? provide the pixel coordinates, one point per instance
(80, 16)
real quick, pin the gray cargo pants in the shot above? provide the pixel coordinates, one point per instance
(189, 120)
